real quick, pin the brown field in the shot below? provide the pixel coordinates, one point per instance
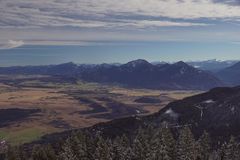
(65, 105)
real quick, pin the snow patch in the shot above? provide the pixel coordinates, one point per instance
(233, 110)
(201, 111)
(171, 113)
(209, 101)
(137, 118)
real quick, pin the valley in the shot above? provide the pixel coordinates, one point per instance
(35, 105)
(120, 80)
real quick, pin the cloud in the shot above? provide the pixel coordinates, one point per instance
(113, 14)
(11, 44)
(87, 22)
(229, 2)
(154, 23)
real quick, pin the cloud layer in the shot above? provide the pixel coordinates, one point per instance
(11, 44)
(86, 22)
(112, 14)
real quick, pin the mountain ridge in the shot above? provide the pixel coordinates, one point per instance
(230, 75)
(138, 74)
(141, 73)
(216, 112)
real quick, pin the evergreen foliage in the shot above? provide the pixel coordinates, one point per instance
(148, 144)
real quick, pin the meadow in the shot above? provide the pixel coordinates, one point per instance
(37, 105)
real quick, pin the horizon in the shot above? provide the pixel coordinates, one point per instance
(108, 31)
(131, 60)
(98, 54)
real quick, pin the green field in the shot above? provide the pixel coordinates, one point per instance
(21, 136)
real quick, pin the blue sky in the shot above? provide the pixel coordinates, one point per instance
(96, 31)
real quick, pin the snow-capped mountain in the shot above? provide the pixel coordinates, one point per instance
(212, 65)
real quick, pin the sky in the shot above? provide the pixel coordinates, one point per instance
(97, 31)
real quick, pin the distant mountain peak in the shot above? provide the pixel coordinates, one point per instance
(230, 75)
(182, 64)
(69, 64)
(138, 62)
(212, 65)
(236, 66)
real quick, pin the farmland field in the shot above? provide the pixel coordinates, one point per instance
(35, 105)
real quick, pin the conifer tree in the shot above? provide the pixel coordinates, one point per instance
(67, 153)
(79, 145)
(170, 143)
(43, 153)
(158, 146)
(231, 151)
(163, 145)
(141, 146)
(204, 146)
(186, 145)
(15, 153)
(103, 149)
(121, 148)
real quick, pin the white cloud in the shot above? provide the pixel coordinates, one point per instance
(86, 22)
(152, 23)
(111, 13)
(11, 44)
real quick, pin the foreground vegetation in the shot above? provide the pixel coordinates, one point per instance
(147, 144)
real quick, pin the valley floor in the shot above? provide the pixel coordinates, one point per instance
(35, 105)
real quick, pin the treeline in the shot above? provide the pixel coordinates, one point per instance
(147, 144)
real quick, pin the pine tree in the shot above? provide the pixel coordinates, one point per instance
(221, 152)
(141, 146)
(67, 153)
(186, 145)
(231, 150)
(43, 153)
(79, 145)
(103, 149)
(126, 148)
(170, 144)
(15, 153)
(204, 148)
(163, 145)
(157, 146)
(121, 148)
(90, 146)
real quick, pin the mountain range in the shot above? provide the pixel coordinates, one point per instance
(230, 75)
(138, 74)
(216, 112)
(142, 74)
(212, 65)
